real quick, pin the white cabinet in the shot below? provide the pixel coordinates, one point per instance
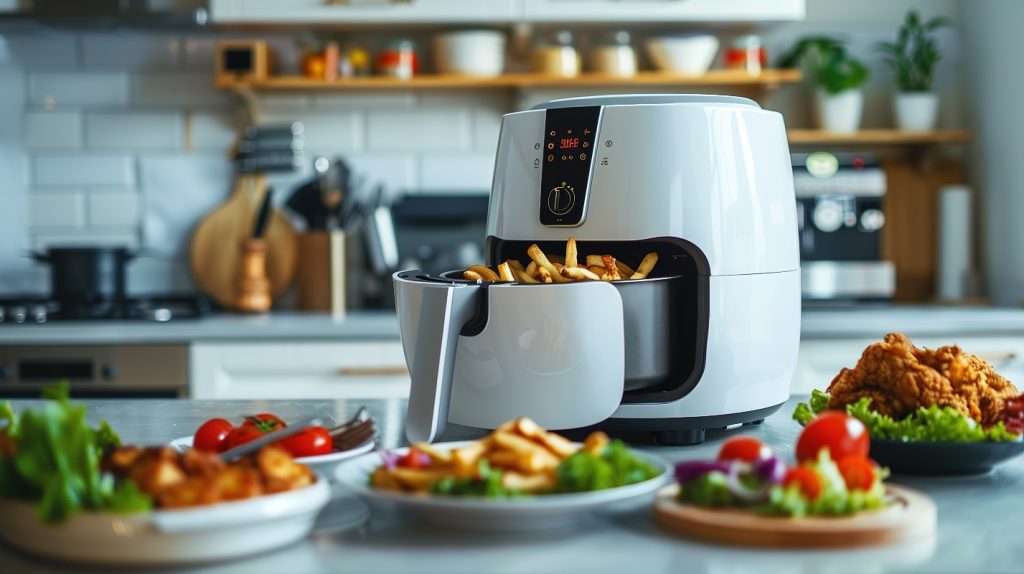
(362, 12)
(303, 370)
(822, 359)
(662, 10)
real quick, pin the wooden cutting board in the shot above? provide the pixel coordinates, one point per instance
(910, 514)
(216, 252)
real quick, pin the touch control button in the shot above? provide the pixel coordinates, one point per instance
(561, 199)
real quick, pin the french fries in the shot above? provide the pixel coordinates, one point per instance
(544, 268)
(527, 454)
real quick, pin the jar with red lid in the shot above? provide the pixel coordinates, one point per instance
(398, 59)
(746, 53)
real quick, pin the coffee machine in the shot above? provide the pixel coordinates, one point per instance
(708, 340)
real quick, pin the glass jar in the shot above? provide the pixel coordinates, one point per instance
(398, 59)
(746, 53)
(557, 56)
(614, 56)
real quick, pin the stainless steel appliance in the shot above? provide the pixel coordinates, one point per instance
(710, 339)
(841, 216)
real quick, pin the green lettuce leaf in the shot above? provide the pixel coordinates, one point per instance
(615, 466)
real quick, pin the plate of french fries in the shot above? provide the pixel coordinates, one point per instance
(520, 477)
(551, 268)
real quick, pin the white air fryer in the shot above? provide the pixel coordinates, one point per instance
(709, 340)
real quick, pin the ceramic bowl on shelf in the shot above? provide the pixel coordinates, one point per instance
(470, 52)
(688, 55)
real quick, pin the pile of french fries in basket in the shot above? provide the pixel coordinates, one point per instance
(554, 269)
(527, 454)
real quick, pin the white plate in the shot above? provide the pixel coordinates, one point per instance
(324, 464)
(497, 515)
(201, 534)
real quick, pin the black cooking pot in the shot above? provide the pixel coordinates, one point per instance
(87, 282)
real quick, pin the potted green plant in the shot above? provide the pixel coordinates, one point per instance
(840, 78)
(912, 58)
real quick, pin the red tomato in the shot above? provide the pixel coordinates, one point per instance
(264, 421)
(243, 434)
(809, 481)
(212, 436)
(858, 472)
(413, 459)
(313, 441)
(745, 448)
(842, 435)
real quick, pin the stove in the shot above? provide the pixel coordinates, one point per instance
(158, 308)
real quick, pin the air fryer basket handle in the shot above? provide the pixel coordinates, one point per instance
(443, 312)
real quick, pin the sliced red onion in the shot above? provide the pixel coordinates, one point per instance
(389, 458)
(771, 470)
(742, 492)
(694, 469)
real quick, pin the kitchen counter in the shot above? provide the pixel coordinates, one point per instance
(978, 517)
(817, 323)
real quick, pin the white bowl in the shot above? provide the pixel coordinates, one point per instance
(324, 464)
(470, 52)
(161, 537)
(686, 55)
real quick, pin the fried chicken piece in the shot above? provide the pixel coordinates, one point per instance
(899, 377)
(280, 471)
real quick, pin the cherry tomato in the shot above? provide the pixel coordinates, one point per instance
(264, 421)
(809, 481)
(858, 472)
(413, 459)
(841, 434)
(212, 435)
(243, 434)
(745, 448)
(313, 441)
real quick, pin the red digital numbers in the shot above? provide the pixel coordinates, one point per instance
(569, 143)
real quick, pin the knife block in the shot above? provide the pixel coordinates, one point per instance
(321, 274)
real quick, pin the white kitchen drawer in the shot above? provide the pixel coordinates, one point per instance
(362, 12)
(364, 370)
(662, 10)
(822, 359)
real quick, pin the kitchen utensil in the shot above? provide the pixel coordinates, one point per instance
(717, 323)
(380, 235)
(943, 458)
(911, 515)
(471, 52)
(87, 282)
(615, 56)
(167, 537)
(216, 251)
(527, 514)
(557, 56)
(260, 227)
(253, 286)
(688, 55)
(269, 438)
(274, 131)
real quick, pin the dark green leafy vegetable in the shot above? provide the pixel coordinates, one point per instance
(55, 461)
(615, 466)
(710, 489)
(934, 423)
(488, 485)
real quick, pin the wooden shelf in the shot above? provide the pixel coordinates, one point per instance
(766, 79)
(877, 137)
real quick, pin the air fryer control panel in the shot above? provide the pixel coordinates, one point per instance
(569, 136)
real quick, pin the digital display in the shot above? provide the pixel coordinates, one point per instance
(569, 143)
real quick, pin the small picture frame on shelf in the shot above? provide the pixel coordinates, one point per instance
(241, 61)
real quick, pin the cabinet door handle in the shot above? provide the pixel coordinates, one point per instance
(386, 371)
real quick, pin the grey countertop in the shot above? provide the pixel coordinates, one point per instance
(978, 517)
(817, 323)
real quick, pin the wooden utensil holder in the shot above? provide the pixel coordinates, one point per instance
(253, 285)
(321, 274)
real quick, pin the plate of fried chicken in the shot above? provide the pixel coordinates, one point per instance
(929, 411)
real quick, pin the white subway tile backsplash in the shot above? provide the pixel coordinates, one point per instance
(53, 130)
(418, 130)
(59, 209)
(134, 130)
(396, 172)
(43, 50)
(337, 131)
(215, 131)
(456, 172)
(117, 50)
(82, 169)
(102, 236)
(486, 128)
(179, 90)
(198, 52)
(365, 100)
(283, 105)
(78, 89)
(113, 209)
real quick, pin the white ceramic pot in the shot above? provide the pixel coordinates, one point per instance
(840, 113)
(686, 55)
(916, 111)
(470, 52)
